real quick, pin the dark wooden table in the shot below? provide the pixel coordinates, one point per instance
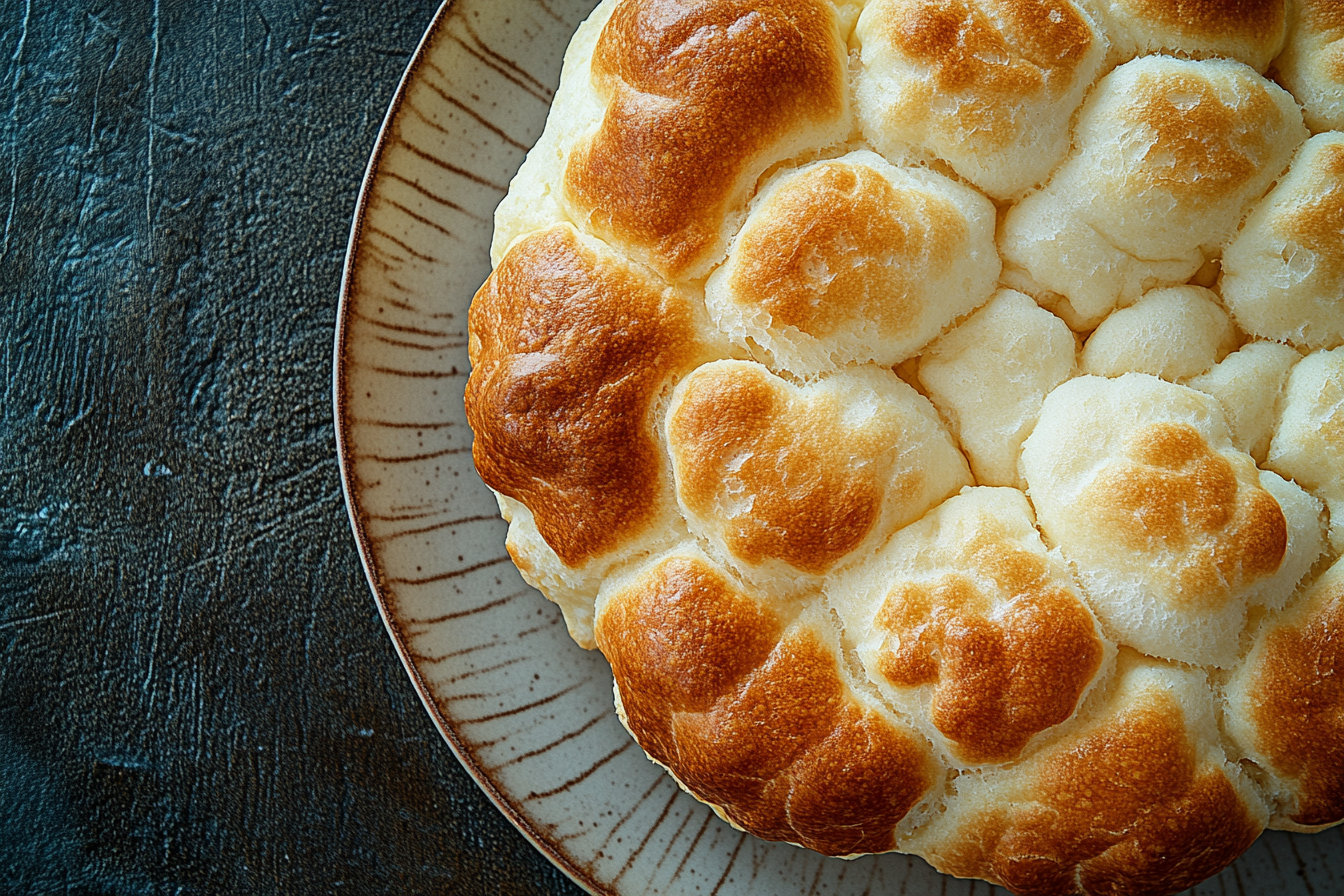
(196, 692)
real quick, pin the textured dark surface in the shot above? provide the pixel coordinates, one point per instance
(196, 692)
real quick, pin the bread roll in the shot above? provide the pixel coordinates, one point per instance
(1312, 62)
(1283, 274)
(887, 258)
(988, 86)
(1169, 155)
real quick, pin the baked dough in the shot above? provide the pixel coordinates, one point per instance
(934, 410)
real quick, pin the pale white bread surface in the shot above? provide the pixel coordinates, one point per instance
(1308, 445)
(1249, 31)
(853, 259)
(1175, 333)
(533, 201)
(1135, 795)
(1284, 703)
(1283, 274)
(989, 376)
(1173, 531)
(971, 628)
(1312, 62)
(1168, 156)
(784, 480)
(988, 86)
(1249, 385)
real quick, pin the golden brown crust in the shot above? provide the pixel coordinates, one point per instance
(1128, 809)
(1204, 149)
(1250, 20)
(999, 679)
(570, 348)
(1316, 220)
(738, 430)
(760, 725)
(1297, 707)
(969, 54)
(698, 93)
(865, 252)
(1175, 494)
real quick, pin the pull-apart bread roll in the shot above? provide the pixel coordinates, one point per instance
(1283, 275)
(1169, 155)
(1249, 31)
(1312, 62)
(1174, 533)
(854, 260)
(988, 86)
(759, 477)
(934, 410)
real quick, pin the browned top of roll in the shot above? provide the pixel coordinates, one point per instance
(999, 677)
(570, 346)
(1129, 809)
(697, 92)
(1212, 19)
(751, 713)
(1296, 702)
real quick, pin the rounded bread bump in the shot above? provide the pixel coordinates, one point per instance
(1286, 706)
(1249, 384)
(701, 98)
(963, 619)
(1173, 532)
(748, 705)
(1169, 155)
(988, 86)
(1249, 31)
(1173, 333)
(1283, 274)
(1312, 62)
(1135, 798)
(784, 479)
(853, 259)
(1308, 445)
(989, 376)
(571, 346)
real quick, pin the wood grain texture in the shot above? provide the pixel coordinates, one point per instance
(196, 692)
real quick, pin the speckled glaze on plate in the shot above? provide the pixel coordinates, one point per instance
(527, 711)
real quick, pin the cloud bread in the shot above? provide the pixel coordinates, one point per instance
(988, 86)
(1312, 62)
(1174, 532)
(965, 620)
(887, 258)
(1249, 31)
(1169, 155)
(1283, 274)
(932, 408)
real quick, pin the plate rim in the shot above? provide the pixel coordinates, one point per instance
(349, 491)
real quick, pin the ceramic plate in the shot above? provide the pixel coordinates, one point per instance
(527, 711)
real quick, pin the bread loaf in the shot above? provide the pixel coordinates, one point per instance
(934, 410)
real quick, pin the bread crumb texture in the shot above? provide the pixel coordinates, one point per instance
(934, 410)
